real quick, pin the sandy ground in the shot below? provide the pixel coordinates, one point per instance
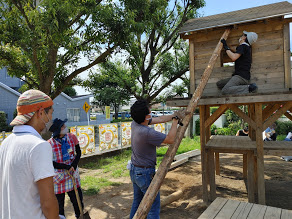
(115, 202)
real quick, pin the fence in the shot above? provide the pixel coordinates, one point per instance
(105, 137)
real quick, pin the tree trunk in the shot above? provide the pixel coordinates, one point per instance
(155, 185)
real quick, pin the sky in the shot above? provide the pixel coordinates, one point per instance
(212, 7)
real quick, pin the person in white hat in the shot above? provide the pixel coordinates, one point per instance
(239, 82)
(26, 168)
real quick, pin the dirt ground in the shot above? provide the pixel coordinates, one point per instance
(115, 202)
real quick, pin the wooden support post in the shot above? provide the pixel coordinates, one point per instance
(192, 66)
(203, 153)
(287, 54)
(211, 168)
(155, 185)
(260, 154)
(250, 177)
(251, 131)
(244, 165)
(217, 163)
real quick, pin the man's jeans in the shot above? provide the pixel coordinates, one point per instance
(141, 179)
(234, 85)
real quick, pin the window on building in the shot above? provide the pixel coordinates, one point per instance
(73, 114)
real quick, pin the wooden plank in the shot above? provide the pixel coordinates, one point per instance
(251, 112)
(213, 209)
(228, 210)
(277, 115)
(272, 212)
(178, 163)
(192, 65)
(188, 154)
(260, 154)
(216, 115)
(242, 115)
(242, 211)
(287, 54)
(250, 177)
(257, 211)
(286, 214)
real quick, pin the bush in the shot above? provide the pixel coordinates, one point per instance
(283, 127)
(3, 123)
(224, 131)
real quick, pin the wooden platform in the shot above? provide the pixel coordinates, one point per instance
(220, 143)
(240, 145)
(234, 99)
(230, 209)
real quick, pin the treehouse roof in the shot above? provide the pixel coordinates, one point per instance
(237, 17)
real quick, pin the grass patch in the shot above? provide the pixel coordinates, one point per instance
(116, 166)
(187, 144)
(91, 185)
(281, 137)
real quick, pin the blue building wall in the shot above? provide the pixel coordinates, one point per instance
(64, 104)
(8, 100)
(12, 82)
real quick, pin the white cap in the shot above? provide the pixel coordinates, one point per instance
(251, 37)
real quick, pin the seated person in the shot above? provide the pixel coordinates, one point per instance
(242, 132)
(288, 137)
(239, 82)
(270, 133)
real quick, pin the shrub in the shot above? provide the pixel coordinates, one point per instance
(3, 122)
(283, 127)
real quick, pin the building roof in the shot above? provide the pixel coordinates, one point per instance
(76, 98)
(237, 17)
(9, 89)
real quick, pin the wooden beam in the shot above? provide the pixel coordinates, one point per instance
(216, 115)
(250, 177)
(267, 109)
(287, 55)
(268, 113)
(155, 185)
(288, 115)
(192, 66)
(242, 115)
(277, 115)
(260, 154)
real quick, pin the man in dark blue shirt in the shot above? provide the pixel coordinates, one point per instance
(239, 82)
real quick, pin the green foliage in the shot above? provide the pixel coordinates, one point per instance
(121, 120)
(3, 122)
(43, 41)
(197, 127)
(70, 91)
(283, 127)
(107, 89)
(155, 56)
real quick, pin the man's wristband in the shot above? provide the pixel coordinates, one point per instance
(175, 117)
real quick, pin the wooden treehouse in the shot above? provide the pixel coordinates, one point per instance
(271, 71)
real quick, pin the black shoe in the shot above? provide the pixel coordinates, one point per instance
(252, 88)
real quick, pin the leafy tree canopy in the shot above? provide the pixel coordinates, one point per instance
(107, 90)
(70, 91)
(42, 42)
(155, 56)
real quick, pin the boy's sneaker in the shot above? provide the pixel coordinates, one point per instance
(252, 88)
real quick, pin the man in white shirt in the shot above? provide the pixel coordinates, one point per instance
(26, 168)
